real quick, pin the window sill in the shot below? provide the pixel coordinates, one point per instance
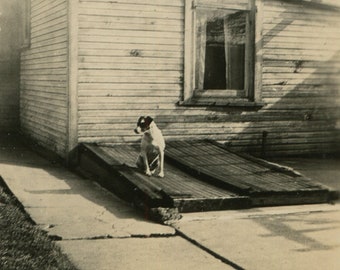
(241, 103)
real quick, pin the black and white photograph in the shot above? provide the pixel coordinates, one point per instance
(169, 134)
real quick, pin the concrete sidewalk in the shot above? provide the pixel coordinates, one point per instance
(302, 237)
(99, 231)
(96, 229)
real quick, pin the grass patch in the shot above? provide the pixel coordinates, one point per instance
(22, 244)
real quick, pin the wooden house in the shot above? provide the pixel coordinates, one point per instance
(262, 76)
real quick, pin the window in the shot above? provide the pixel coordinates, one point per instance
(219, 51)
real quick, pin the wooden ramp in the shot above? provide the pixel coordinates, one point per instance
(200, 176)
(264, 182)
(177, 189)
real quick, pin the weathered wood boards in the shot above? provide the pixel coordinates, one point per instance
(201, 176)
(177, 189)
(43, 84)
(131, 56)
(266, 184)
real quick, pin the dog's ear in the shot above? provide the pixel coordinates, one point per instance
(148, 120)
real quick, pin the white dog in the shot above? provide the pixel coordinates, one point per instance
(151, 156)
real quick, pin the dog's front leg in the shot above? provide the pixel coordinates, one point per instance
(161, 163)
(146, 163)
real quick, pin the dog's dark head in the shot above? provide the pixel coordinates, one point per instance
(143, 124)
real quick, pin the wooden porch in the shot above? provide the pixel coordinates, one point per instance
(200, 176)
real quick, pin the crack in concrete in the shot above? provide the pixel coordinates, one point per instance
(209, 251)
(108, 236)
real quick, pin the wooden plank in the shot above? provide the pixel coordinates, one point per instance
(130, 13)
(177, 3)
(131, 33)
(50, 72)
(298, 21)
(50, 59)
(218, 4)
(323, 45)
(129, 52)
(127, 93)
(128, 79)
(39, 66)
(49, 35)
(320, 35)
(305, 14)
(302, 70)
(43, 88)
(306, 81)
(128, 45)
(302, 26)
(249, 181)
(305, 3)
(37, 77)
(59, 115)
(132, 40)
(313, 89)
(308, 64)
(302, 9)
(126, 6)
(302, 52)
(140, 25)
(130, 66)
(53, 41)
(129, 86)
(43, 101)
(54, 25)
(57, 48)
(104, 74)
(110, 21)
(45, 95)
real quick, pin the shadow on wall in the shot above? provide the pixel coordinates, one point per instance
(300, 86)
(302, 108)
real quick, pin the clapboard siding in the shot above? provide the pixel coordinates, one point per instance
(131, 57)
(43, 99)
(301, 71)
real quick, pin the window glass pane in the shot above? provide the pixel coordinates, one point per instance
(220, 49)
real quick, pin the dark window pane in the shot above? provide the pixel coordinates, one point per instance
(220, 54)
(215, 64)
(236, 66)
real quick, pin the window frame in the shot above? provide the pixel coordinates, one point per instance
(253, 54)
